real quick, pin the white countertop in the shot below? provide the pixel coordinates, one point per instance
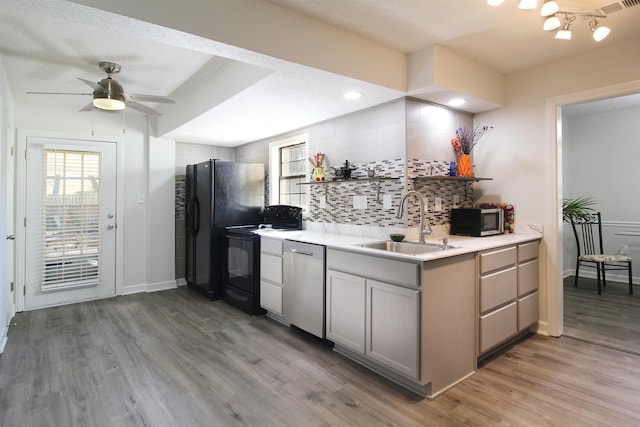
(459, 244)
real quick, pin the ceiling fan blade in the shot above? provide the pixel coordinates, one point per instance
(88, 107)
(92, 85)
(150, 98)
(143, 108)
(57, 93)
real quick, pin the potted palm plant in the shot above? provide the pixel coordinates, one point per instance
(577, 209)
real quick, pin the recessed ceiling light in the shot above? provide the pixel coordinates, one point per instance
(456, 102)
(352, 95)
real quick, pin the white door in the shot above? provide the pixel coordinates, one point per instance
(9, 230)
(70, 238)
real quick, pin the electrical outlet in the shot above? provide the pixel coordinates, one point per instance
(456, 201)
(438, 204)
(426, 205)
(387, 202)
(359, 202)
(323, 203)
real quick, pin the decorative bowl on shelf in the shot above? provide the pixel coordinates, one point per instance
(397, 237)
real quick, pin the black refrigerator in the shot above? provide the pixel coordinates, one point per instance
(219, 194)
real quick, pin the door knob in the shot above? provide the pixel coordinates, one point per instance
(110, 227)
(11, 237)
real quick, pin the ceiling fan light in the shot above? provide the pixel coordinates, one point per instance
(549, 7)
(495, 2)
(551, 23)
(563, 34)
(103, 102)
(528, 4)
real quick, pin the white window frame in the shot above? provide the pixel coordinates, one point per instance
(274, 166)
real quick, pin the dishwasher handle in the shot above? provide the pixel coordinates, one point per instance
(296, 251)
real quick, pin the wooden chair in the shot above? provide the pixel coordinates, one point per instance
(588, 234)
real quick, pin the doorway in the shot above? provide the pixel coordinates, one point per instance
(558, 294)
(68, 205)
(598, 146)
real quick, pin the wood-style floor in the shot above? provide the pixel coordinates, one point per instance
(611, 319)
(173, 358)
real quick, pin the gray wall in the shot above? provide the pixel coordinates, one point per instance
(600, 160)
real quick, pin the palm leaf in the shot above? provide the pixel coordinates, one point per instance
(577, 209)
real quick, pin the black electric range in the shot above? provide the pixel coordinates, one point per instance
(242, 278)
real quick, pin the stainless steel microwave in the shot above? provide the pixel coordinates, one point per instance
(477, 222)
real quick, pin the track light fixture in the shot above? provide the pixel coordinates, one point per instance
(599, 33)
(565, 33)
(550, 11)
(551, 23)
(528, 4)
(548, 8)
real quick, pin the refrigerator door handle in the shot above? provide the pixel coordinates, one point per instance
(196, 216)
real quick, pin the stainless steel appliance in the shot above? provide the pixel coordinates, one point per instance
(303, 286)
(219, 194)
(477, 222)
(243, 256)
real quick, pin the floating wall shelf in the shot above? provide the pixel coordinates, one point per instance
(468, 180)
(375, 180)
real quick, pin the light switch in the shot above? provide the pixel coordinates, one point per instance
(456, 200)
(438, 204)
(387, 202)
(323, 203)
(426, 205)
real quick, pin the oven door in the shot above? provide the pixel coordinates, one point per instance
(243, 254)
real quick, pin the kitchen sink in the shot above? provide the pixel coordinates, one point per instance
(405, 247)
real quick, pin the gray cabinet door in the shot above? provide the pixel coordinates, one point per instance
(392, 319)
(346, 310)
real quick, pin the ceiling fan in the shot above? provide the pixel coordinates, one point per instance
(108, 94)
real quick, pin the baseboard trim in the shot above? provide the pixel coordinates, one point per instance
(181, 281)
(611, 277)
(5, 338)
(149, 287)
(161, 286)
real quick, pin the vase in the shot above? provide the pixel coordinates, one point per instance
(464, 165)
(318, 174)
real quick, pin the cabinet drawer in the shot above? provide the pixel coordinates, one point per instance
(498, 326)
(527, 251)
(383, 269)
(494, 260)
(498, 288)
(527, 311)
(271, 267)
(527, 277)
(271, 297)
(271, 246)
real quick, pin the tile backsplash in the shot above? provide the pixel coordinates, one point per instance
(360, 200)
(370, 202)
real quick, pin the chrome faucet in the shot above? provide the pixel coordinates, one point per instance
(421, 200)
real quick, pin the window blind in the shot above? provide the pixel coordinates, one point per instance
(70, 229)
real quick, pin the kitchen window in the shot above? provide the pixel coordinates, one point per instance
(288, 168)
(292, 173)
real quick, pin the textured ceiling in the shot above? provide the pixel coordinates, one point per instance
(504, 38)
(46, 44)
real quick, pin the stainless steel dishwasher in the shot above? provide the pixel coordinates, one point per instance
(303, 286)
